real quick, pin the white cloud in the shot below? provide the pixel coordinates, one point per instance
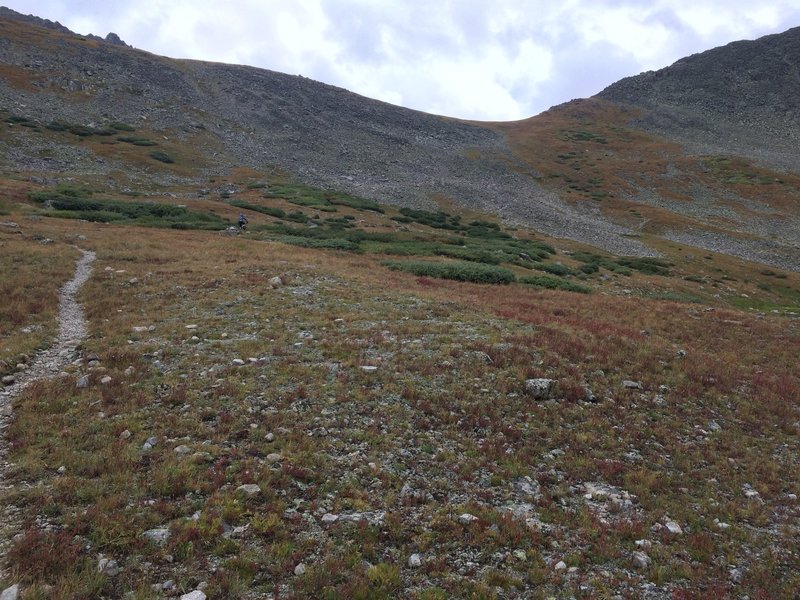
(483, 59)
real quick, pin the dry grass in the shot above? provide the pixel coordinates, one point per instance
(442, 427)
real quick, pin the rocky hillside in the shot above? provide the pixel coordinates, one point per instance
(236, 116)
(743, 98)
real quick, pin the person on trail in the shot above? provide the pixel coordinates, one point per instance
(242, 221)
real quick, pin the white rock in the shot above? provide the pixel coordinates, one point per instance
(191, 327)
(467, 518)
(83, 382)
(251, 489)
(540, 389)
(631, 385)
(560, 566)
(159, 535)
(328, 518)
(369, 368)
(414, 561)
(125, 434)
(275, 282)
(640, 560)
(182, 449)
(108, 567)
(139, 329)
(673, 527)
(238, 362)
(10, 593)
(61, 470)
(300, 569)
(273, 457)
(645, 544)
(270, 437)
(195, 595)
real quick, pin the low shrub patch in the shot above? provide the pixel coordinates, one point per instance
(459, 271)
(554, 283)
(266, 210)
(161, 156)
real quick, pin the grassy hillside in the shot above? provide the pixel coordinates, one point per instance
(386, 414)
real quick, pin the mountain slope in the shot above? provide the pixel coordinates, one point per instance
(234, 116)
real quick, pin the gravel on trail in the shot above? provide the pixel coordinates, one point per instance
(48, 363)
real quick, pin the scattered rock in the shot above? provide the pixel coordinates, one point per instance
(540, 389)
(275, 282)
(251, 489)
(61, 470)
(560, 566)
(125, 434)
(182, 449)
(467, 518)
(735, 576)
(329, 518)
(415, 561)
(106, 380)
(159, 535)
(273, 457)
(108, 566)
(300, 569)
(270, 437)
(369, 368)
(631, 385)
(83, 382)
(238, 362)
(195, 595)
(673, 528)
(640, 560)
(10, 593)
(9, 380)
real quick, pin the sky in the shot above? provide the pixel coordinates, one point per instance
(491, 60)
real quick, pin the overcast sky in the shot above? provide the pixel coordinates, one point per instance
(477, 59)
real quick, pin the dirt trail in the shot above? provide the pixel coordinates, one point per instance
(48, 363)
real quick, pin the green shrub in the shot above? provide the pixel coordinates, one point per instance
(554, 283)
(554, 269)
(266, 210)
(122, 126)
(57, 126)
(136, 141)
(459, 271)
(17, 119)
(161, 156)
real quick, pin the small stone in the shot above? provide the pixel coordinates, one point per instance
(673, 528)
(329, 518)
(540, 389)
(139, 329)
(467, 518)
(275, 282)
(191, 327)
(182, 449)
(735, 575)
(273, 457)
(300, 569)
(106, 380)
(520, 555)
(560, 566)
(125, 434)
(251, 489)
(640, 560)
(270, 437)
(129, 371)
(9, 380)
(415, 561)
(61, 470)
(644, 544)
(108, 567)
(631, 385)
(159, 535)
(369, 368)
(10, 593)
(238, 362)
(195, 595)
(83, 382)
